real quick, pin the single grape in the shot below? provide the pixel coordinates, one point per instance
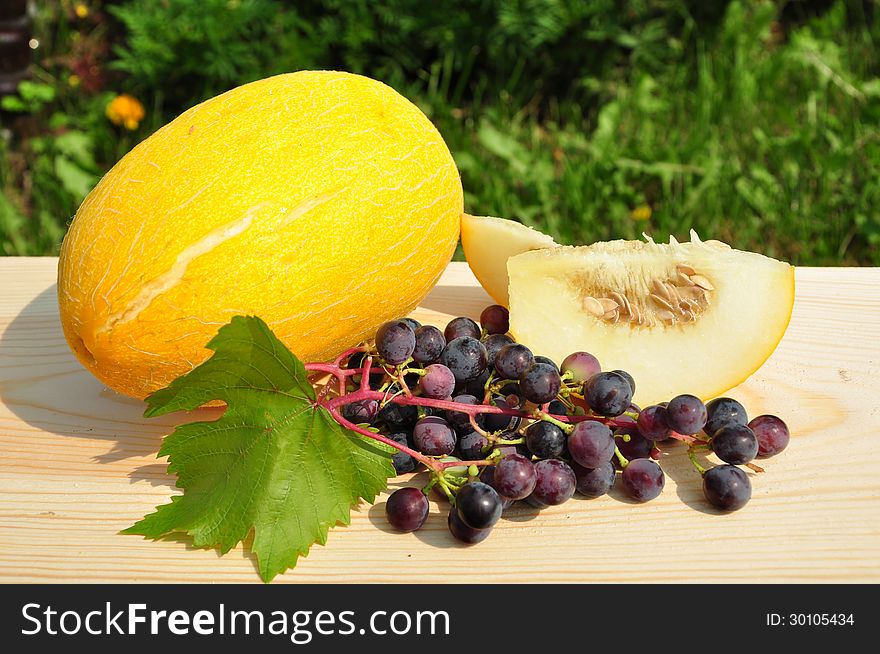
(724, 411)
(652, 423)
(462, 532)
(475, 386)
(433, 436)
(495, 422)
(361, 411)
(459, 420)
(548, 361)
(398, 417)
(727, 487)
(478, 504)
(686, 414)
(545, 440)
(772, 434)
(540, 382)
(581, 366)
(438, 381)
(629, 378)
(471, 445)
(395, 341)
(637, 447)
(458, 327)
(413, 323)
(554, 482)
(465, 357)
(407, 509)
(487, 476)
(591, 444)
(493, 343)
(514, 477)
(642, 479)
(594, 482)
(402, 461)
(557, 408)
(735, 444)
(429, 345)
(608, 394)
(495, 319)
(512, 360)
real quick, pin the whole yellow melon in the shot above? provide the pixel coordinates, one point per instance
(323, 202)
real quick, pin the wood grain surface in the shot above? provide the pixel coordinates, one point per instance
(78, 464)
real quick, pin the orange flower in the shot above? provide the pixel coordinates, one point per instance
(642, 212)
(81, 10)
(125, 110)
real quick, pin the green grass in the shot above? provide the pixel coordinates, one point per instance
(767, 140)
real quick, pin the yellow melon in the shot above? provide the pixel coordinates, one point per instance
(323, 202)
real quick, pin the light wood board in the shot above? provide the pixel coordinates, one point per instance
(78, 464)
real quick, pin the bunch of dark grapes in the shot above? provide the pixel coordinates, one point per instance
(563, 428)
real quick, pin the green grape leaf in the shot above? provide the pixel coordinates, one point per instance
(276, 462)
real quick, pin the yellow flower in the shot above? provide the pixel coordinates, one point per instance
(74, 80)
(125, 110)
(642, 212)
(81, 10)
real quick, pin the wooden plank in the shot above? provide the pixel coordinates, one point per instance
(77, 464)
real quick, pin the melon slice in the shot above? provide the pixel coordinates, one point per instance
(489, 242)
(694, 317)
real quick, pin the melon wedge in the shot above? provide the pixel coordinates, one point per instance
(488, 243)
(720, 313)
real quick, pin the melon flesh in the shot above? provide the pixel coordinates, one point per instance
(488, 243)
(746, 317)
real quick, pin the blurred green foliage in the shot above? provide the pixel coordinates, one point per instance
(754, 122)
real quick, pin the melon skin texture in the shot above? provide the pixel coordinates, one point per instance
(488, 242)
(323, 202)
(747, 315)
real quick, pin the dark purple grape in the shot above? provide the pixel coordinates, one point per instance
(629, 378)
(433, 436)
(438, 381)
(407, 509)
(594, 482)
(652, 423)
(398, 417)
(548, 361)
(459, 420)
(395, 341)
(736, 444)
(361, 411)
(478, 504)
(471, 445)
(554, 482)
(465, 357)
(727, 487)
(487, 476)
(540, 383)
(642, 479)
(545, 440)
(637, 447)
(495, 422)
(686, 414)
(515, 477)
(495, 319)
(429, 345)
(355, 361)
(512, 360)
(772, 434)
(493, 343)
(581, 365)
(476, 386)
(557, 408)
(402, 461)
(724, 411)
(591, 444)
(608, 394)
(413, 324)
(458, 327)
(462, 532)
